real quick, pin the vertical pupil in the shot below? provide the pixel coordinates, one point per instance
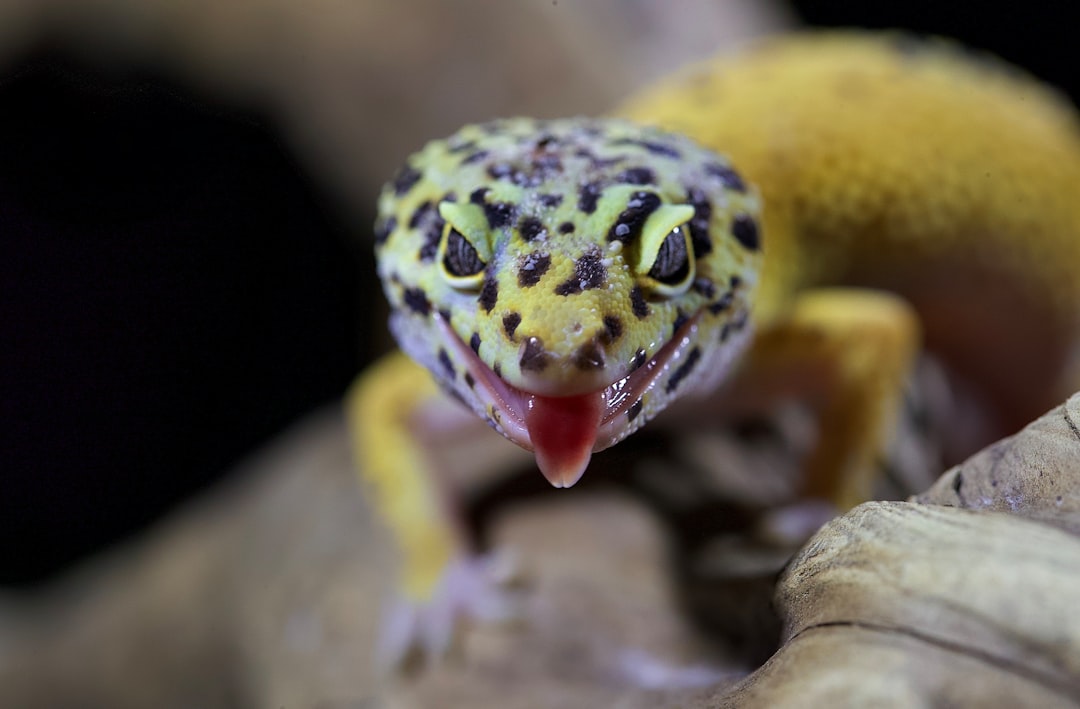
(461, 258)
(671, 264)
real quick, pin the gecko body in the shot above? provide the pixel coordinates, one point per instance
(810, 212)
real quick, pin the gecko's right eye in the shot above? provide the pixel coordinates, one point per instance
(461, 259)
(465, 248)
(461, 263)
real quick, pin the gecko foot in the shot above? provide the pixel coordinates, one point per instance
(472, 589)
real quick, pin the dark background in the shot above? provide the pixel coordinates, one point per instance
(175, 290)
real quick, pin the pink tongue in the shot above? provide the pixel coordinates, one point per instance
(563, 430)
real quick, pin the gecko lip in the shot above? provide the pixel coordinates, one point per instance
(564, 431)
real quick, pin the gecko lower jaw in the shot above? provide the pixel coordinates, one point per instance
(564, 431)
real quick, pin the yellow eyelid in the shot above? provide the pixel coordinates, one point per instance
(470, 220)
(657, 227)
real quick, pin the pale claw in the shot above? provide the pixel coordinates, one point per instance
(472, 588)
(648, 672)
(795, 523)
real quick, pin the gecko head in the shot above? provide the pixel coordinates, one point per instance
(568, 279)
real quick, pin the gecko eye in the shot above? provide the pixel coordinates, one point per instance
(672, 262)
(671, 269)
(465, 247)
(461, 263)
(662, 256)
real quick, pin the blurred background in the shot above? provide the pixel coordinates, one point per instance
(186, 193)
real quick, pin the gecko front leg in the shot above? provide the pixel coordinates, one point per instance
(399, 421)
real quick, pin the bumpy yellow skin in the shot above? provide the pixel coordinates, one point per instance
(947, 183)
(947, 177)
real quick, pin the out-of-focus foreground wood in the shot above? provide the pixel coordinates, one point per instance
(268, 594)
(964, 596)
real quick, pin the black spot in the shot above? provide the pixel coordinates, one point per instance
(545, 164)
(478, 195)
(705, 287)
(637, 302)
(723, 304)
(444, 360)
(474, 157)
(639, 359)
(532, 268)
(629, 223)
(499, 214)
(734, 282)
(445, 315)
(500, 170)
(405, 179)
(633, 411)
(462, 147)
(613, 329)
(699, 223)
(652, 146)
(530, 228)
(589, 356)
(566, 228)
(496, 369)
(510, 324)
(550, 200)
(432, 236)
(683, 370)
(428, 217)
(637, 176)
(727, 176)
(469, 381)
(588, 195)
(534, 358)
(474, 342)
(489, 293)
(737, 324)
(420, 212)
(589, 273)
(598, 162)
(680, 320)
(384, 229)
(745, 230)
(540, 168)
(417, 301)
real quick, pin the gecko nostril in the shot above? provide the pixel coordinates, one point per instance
(534, 358)
(590, 356)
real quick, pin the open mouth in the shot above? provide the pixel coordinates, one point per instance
(564, 431)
